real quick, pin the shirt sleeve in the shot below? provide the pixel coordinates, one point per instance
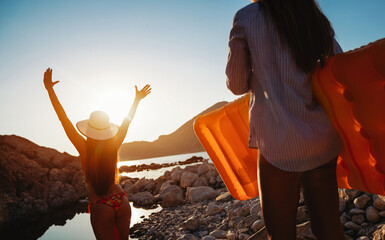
(238, 67)
(337, 47)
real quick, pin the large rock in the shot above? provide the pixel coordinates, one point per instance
(379, 202)
(201, 181)
(197, 194)
(176, 174)
(187, 179)
(361, 201)
(203, 169)
(172, 195)
(143, 185)
(143, 199)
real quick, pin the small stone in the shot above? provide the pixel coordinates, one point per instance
(191, 224)
(258, 225)
(363, 238)
(231, 235)
(224, 197)
(351, 225)
(213, 209)
(382, 214)
(344, 218)
(365, 224)
(358, 218)
(361, 201)
(209, 238)
(203, 233)
(372, 214)
(379, 202)
(243, 236)
(342, 204)
(379, 233)
(218, 234)
(256, 208)
(304, 231)
(248, 221)
(244, 211)
(187, 237)
(348, 194)
(356, 211)
(302, 215)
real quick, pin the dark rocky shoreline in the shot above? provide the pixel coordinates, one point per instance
(189, 214)
(40, 187)
(35, 181)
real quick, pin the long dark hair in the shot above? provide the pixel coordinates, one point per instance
(101, 164)
(304, 28)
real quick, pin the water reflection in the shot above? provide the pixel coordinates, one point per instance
(34, 228)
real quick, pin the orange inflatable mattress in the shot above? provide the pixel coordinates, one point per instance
(351, 88)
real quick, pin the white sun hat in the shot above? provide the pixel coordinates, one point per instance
(98, 126)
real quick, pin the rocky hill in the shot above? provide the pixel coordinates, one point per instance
(182, 141)
(35, 180)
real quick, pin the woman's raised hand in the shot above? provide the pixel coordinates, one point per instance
(48, 79)
(142, 93)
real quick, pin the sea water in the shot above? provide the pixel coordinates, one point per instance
(79, 227)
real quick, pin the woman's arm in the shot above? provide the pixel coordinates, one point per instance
(238, 67)
(77, 140)
(127, 120)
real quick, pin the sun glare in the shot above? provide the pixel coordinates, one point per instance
(114, 101)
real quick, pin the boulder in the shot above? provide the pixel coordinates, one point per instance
(197, 194)
(201, 181)
(203, 169)
(172, 196)
(212, 172)
(140, 185)
(143, 199)
(176, 174)
(187, 179)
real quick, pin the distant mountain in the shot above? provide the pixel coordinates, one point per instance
(182, 141)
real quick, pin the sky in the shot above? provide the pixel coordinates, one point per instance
(99, 51)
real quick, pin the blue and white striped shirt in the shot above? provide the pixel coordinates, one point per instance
(289, 127)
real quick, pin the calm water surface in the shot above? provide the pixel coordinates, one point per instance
(79, 227)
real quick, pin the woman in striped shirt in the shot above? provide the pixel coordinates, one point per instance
(274, 47)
